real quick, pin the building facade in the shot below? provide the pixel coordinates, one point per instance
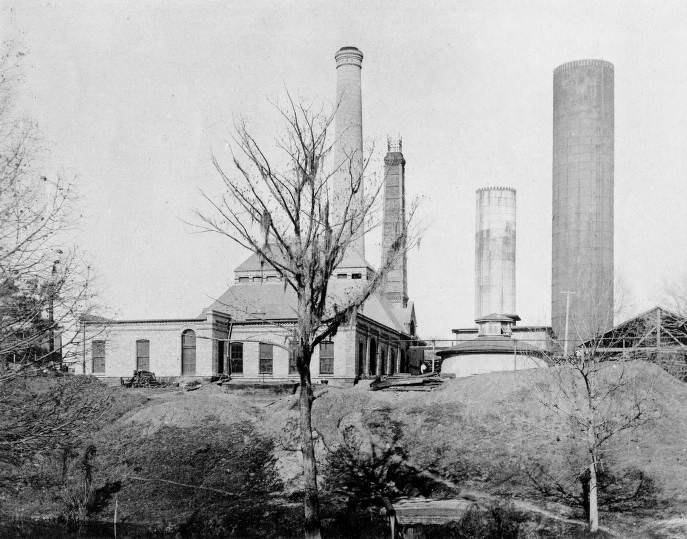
(246, 333)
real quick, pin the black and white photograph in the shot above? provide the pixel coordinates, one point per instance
(300, 268)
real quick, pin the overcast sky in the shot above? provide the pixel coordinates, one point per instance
(132, 98)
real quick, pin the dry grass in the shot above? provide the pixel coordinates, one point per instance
(490, 430)
(185, 409)
(484, 432)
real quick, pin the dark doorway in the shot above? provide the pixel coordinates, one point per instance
(361, 358)
(220, 357)
(188, 352)
(373, 357)
(142, 355)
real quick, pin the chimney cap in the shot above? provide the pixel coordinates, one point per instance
(349, 55)
(585, 62)
(495, 188)
(394, 144)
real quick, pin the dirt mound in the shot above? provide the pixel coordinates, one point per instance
(187, 409)
(494, 431)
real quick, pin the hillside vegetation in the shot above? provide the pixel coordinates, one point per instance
(212, 462)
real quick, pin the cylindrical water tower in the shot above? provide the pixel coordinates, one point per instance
(495, 251)
(582, 235)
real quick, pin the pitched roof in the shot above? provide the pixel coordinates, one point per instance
(352, 259)
(497, 317)
(272, 301)
(254, 263)
(250, 301)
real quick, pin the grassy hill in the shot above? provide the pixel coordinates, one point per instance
(177, 460)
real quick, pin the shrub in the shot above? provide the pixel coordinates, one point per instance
(624, 489)
(220, 479)
(82, 498)
(363, 478)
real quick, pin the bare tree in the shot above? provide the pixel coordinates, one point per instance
(44, 287)
(287, 209)
(43, 279)
(600, 394)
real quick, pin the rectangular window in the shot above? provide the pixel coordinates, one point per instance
(98, 356)
(142, 355)
(357, 276)
(327, 358)
(293, 368)
(266, 358)
(342, 276)
(236, 357)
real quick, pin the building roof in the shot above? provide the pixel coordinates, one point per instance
(496, 317)
(654, 327)
(516, 329)
(255, 263)
(352, 259)
(274, 301)
(490, 344)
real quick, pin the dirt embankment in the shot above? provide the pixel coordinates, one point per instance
(487, 433)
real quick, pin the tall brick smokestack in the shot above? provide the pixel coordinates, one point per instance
(495, 251)
(349, 131)
(582, 264)
(395, 287)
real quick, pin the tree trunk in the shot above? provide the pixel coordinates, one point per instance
(593, 502)
(311, 502)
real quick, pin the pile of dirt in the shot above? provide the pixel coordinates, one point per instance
(493, 432)
(187, 409)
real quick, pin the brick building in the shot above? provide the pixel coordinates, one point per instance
(246, 333)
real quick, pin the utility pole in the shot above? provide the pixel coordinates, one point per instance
(51, 311)
(434, 355)
(567, 317)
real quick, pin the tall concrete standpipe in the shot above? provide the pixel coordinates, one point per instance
(495, 251)
(582, 235)
(348, 122)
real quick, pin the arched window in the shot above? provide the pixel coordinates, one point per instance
(142, 355)
(188, 352)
